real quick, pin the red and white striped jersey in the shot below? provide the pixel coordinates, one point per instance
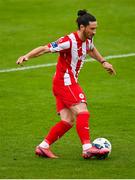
(72, 52)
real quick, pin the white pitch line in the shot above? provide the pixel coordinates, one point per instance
(53, 64)
(28, 67)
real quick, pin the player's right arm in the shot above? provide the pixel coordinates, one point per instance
(60, 45)
(34, 53)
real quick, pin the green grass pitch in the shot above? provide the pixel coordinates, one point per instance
(27, 107)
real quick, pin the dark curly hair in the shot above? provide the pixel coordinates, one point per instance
(84, 18)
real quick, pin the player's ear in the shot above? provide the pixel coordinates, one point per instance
(82, 27)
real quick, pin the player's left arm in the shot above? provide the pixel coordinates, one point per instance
(94, 53)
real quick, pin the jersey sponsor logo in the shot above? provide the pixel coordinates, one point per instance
(54, 44)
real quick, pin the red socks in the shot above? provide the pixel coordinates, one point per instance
(57, 131)
(82, 127)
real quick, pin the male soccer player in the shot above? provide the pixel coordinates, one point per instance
(70, 99)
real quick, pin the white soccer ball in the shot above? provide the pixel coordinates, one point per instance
(102, 143)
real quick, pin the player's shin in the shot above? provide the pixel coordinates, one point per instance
(57, 131)
(82, 127)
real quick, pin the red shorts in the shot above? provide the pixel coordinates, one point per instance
(67, 96)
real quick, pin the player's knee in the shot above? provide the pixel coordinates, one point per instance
(70, 121)
(79, 108)
(67, 116)
(86, 113)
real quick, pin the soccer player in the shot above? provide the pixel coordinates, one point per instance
(71, 101)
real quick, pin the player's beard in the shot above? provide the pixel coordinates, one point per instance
(86, 36)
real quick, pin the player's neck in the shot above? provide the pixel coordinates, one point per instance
(81, 35)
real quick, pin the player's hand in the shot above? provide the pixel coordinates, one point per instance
(21, 59)
(109, 68)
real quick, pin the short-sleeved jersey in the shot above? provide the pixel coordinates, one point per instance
(72, 53)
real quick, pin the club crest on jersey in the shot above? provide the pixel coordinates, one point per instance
(54, 44)
(81, 95)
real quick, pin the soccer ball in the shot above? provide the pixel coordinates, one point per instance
(102, 143)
